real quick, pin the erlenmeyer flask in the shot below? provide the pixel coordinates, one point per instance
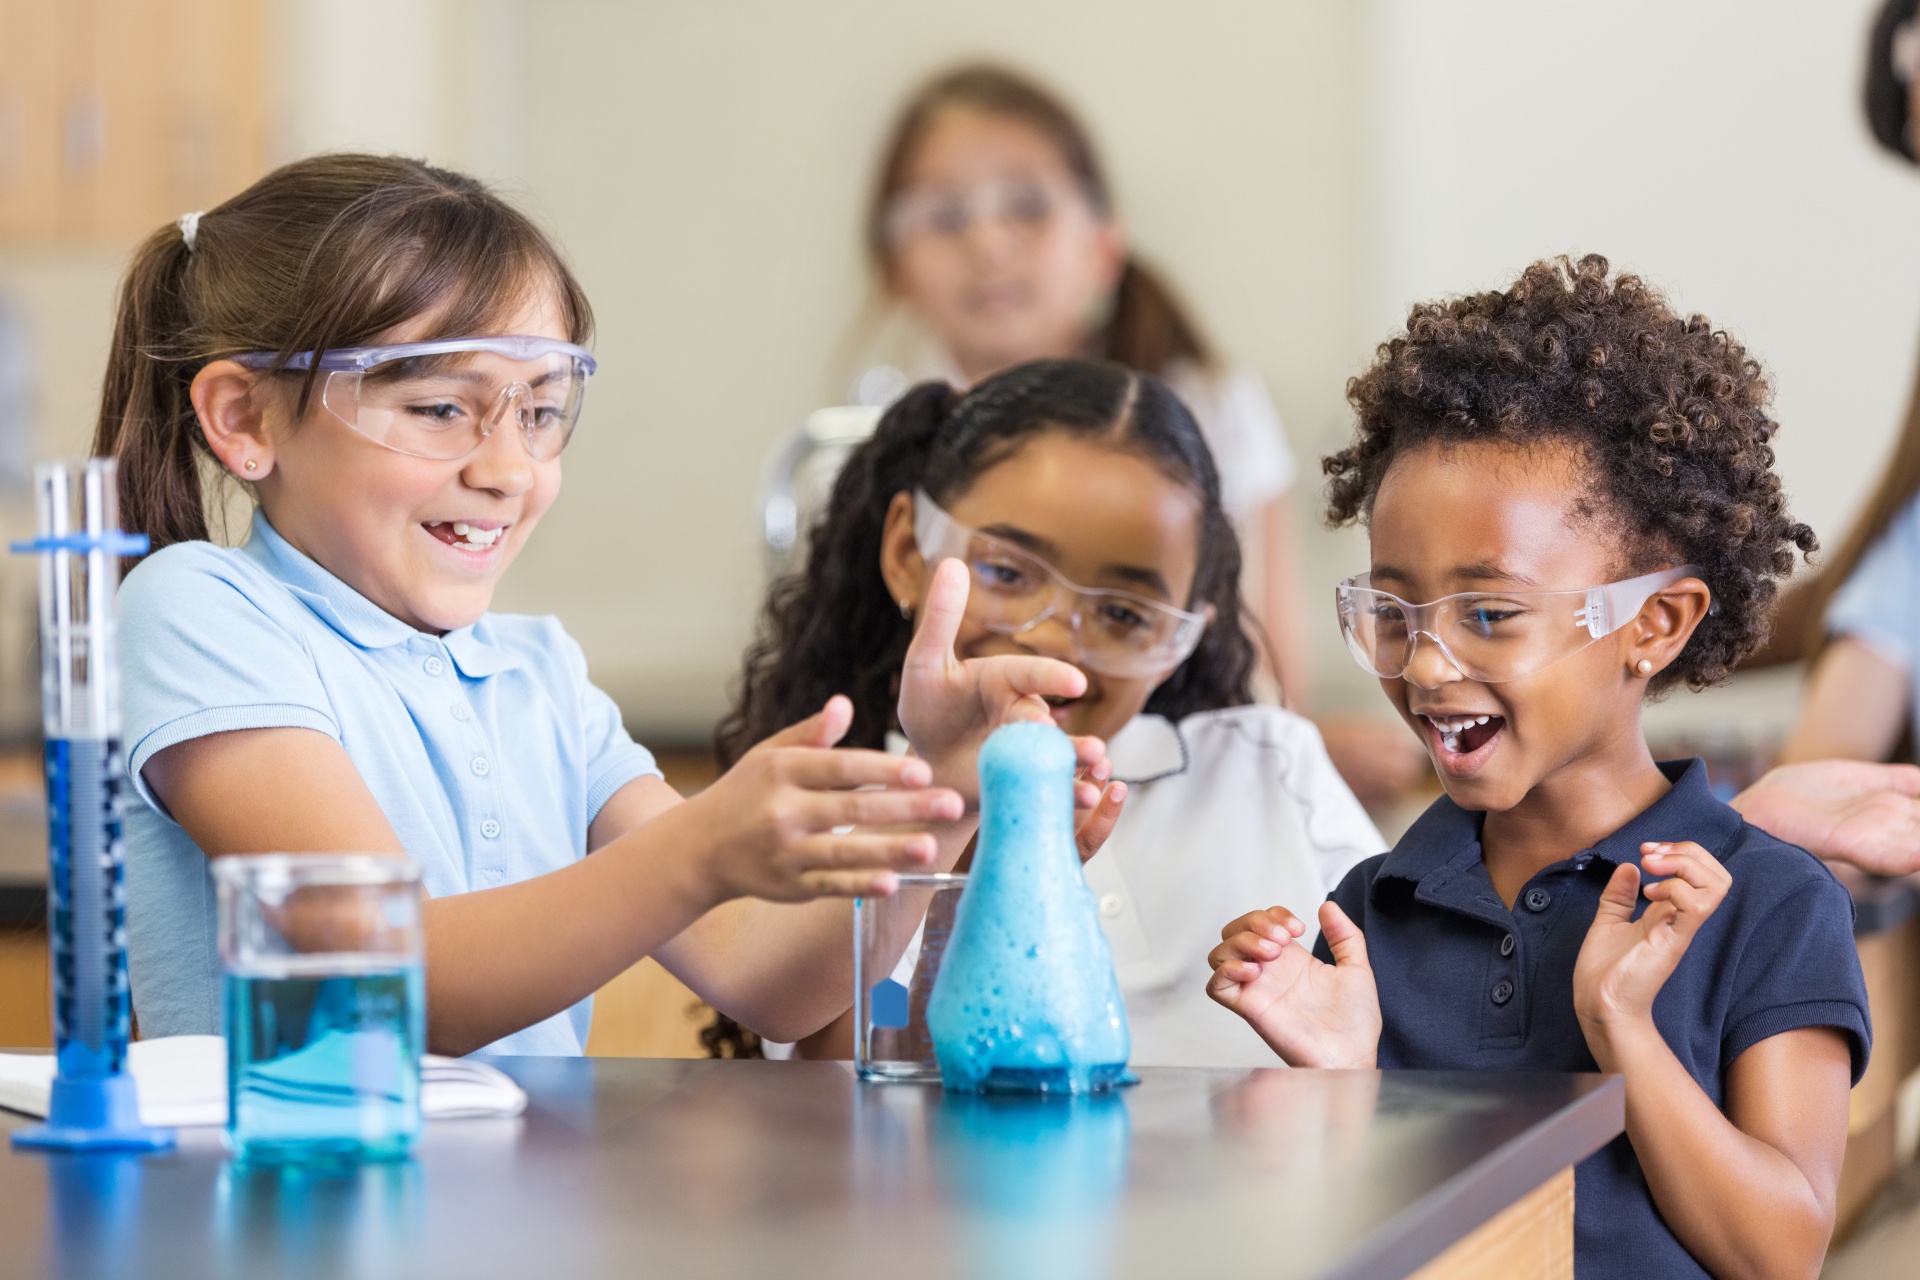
(1026, 998)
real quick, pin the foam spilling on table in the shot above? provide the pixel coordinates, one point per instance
(1026, 999)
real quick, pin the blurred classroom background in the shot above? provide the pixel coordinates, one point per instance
(1302, 168)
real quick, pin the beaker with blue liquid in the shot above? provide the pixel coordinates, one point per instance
(322, 964)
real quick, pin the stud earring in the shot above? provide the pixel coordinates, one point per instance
(1644, 666)
(252, 465)
(906, 610)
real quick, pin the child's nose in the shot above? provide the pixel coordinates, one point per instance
(1430, 667)
(502, 463)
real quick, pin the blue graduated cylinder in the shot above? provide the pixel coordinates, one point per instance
(1026, 999)
(93, 1105)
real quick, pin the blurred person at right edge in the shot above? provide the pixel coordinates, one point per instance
(1858, 622)
(994, 238)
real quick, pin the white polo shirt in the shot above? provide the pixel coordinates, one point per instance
(1228, 812)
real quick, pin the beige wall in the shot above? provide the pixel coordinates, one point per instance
(1302, 167)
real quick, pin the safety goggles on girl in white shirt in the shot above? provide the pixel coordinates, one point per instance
(1013, 591)
(442, 399)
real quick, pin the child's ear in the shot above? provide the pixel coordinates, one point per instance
(1664, 625)
(231, 418)
(901, 565)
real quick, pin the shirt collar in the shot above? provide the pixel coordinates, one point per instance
(1147, 748)
(358, 620)
(1689, 810)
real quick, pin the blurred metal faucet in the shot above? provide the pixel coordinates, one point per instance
(796, 481)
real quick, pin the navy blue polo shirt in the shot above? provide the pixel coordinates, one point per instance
(1466, 984)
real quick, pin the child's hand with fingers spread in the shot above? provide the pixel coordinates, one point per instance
(1311, 1013)
(770, 820)
(1624, 962)
(949, 706)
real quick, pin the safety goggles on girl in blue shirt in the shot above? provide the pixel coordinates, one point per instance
(1490, 636)
(1013, 591)
(441, 399)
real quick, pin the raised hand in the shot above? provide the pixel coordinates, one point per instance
(1849, 810)
(1624, 962)
(948, 706)
(1311, 1013)
(769, 822)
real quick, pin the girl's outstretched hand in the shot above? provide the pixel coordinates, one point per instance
(1311, 1013)
(948, 706)
(767, 827)
(1624, 962)
(1848, 810)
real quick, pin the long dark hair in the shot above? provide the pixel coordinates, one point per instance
(1146, 326)
(1889, 113)
(834, 627)
(330, 251)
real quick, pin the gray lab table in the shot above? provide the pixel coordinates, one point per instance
(646, 1167)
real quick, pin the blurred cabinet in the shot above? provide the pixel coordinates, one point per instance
(117, 116)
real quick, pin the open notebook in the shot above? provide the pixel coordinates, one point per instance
(182, 1080)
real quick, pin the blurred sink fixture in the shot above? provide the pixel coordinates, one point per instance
(797, 479)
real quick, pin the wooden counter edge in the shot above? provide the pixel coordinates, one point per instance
(1520, 1179)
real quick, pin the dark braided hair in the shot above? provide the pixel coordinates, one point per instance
(834, 627)
(1672, 417)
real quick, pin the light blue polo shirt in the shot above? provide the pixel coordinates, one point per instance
(487, 748)
(1879, 603)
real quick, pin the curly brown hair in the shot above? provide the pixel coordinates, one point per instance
(1672, 417)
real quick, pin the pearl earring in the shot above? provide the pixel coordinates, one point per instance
(1644, 666)
(252, 465)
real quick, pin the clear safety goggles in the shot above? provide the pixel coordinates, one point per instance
(1490, 636)
(442, 399)
(1023, 205)
(1013, 591)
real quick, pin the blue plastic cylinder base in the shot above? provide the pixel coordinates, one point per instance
(94, 1113)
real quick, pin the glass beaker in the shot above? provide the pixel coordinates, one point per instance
(322, 957)
(898, 942)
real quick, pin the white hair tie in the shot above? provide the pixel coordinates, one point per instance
(189, 225)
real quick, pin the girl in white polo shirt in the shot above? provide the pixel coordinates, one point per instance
(1084, 500)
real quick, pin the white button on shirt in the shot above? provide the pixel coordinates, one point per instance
(1228, 812)
(213, 640)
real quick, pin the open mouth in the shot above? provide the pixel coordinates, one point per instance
(467, 537)
(1061, 708)
(1462, 743)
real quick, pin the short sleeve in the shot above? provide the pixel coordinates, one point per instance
(613, 758)
(1800, 968)
(1249, 445)
(1879, 604)
(207, 646)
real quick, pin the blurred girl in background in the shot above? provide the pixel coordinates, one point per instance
(993, 232)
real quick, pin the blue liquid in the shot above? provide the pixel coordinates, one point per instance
(1026, 1000)
(87, 906)
(324, 1067)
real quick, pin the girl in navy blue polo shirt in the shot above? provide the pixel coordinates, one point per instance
(1571, 505)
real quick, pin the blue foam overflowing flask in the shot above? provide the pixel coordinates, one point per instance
(79, 542)
(1026, 999)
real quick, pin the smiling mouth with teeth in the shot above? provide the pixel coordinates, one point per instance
(1464, 735)
(459, 533)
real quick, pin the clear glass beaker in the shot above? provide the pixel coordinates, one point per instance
(322, 956)
(898, 942)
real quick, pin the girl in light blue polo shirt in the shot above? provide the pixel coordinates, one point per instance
(388, 357)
